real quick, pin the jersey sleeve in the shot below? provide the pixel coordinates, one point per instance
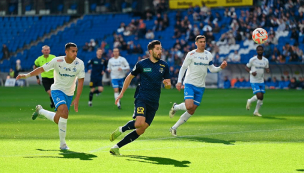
(37, 62)
(125, 64)
(249, 64)
(50, 65)
(167, 73)
(267, 64)
(137, 69)
(109, 67)
(81, 73)
(184, 67)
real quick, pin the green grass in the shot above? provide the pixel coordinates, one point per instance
(220, 137)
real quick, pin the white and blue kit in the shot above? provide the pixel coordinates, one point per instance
(117, 77)
(65, 76)
(258, 66)
(196, 64)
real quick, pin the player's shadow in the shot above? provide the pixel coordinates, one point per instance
(210, 140)
(274, 118)
(67, 154)
(300, 170)
(158, 160)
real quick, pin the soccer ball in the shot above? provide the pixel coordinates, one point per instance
(259, 35)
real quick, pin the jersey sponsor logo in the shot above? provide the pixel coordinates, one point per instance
(147, 69)
(162, 65)
(95, 62)
(140, 110)
(161, 70)
(66, 75)
(200, 63)
(59, 60)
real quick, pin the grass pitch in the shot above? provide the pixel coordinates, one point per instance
(220, 137)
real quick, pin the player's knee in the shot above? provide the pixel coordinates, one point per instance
(142, 130)
(191, 111)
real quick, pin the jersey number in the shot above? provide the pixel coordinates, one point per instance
(140, 110)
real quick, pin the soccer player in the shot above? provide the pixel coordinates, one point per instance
(66, 71)
(153, 72)
(47, 77)
(117, 66)
(98, 68)
(255, 67)
(197, 62)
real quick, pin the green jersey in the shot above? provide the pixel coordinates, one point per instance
(41, 60)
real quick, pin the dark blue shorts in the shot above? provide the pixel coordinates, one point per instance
(146, 109)
(95, 82)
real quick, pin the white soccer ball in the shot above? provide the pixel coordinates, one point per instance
(259, 35)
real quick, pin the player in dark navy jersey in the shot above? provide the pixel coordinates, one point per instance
(98, 68)
(153, 72)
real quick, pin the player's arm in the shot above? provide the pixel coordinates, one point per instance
(126, 65)
(79, 91)
(182, 71)
(109, 67)
(267, 67)
(35, 72)
(214, 69)
(125, 86)
(248, 68)
(167, 80)
(36, 66)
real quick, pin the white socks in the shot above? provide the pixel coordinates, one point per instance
(48, 114)
(253, 99)
(115, 96)
(62, 126)
(181, 120)
(258, 105)
(181, 106)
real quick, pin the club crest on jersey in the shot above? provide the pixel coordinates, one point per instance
(74, 69)
(161, 70)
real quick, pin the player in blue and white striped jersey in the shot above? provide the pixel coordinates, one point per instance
(196, 63)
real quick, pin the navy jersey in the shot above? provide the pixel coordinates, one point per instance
(98, 65)
(151, 78)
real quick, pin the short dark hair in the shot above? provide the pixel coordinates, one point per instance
(152, 44)
(70, 44)
(259, 46)
(199, 37)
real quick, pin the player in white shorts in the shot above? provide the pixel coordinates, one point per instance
(67, 69)
(117, 66)
(255, 67)
(196, 63)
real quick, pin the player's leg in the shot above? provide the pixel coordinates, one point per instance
(194, 96)
(260, 97)
(47, 83)
(100, 87)
(141, 124)
(175, 107)
(92, 86)
(254, 98)
(115, 85)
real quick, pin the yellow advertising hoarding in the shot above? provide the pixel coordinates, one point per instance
(179, 4)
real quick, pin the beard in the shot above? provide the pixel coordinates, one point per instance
(260, 54)
(156, 56)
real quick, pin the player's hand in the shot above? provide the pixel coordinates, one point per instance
(254, 73)
(118, 98)
(75, 104)
(167, 83)
(223, 65)
(89, 71)
(38, 81)
(21, 76)
(102, 72)
(179, 86)
(109, 71)
(119, 69)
